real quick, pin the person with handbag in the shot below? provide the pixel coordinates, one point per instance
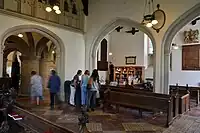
(92, 90)
(75, 95)
(84, 82)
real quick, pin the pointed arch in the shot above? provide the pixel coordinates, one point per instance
(42, 43)
(18, 43)
(60, 46)
(176, 26)
(30, 41)
(108, 28)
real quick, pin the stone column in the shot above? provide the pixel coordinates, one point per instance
(28, 65)
(61, 74)
(44, 71)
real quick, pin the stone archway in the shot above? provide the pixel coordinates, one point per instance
(109, 28)
(60, 58)
(184, 19)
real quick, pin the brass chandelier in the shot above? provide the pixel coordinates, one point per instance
(153, 18)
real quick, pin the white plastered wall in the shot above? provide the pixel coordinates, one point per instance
(73, 48)
(104, 11)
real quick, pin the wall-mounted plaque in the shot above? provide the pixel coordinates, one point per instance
(130, 60)
(191, 36)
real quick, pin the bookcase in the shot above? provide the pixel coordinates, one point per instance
(122, 72)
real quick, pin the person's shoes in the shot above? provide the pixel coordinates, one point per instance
(51, 108)
(92, 109)
(88, 110)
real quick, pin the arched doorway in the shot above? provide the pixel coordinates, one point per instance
(109, 28)
(184, 19)
(36, 46)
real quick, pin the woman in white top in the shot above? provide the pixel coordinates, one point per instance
(36, 87)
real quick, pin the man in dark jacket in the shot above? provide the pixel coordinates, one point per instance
(54, 87)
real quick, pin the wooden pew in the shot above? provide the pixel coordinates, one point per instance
(141, 102)
(139, 87)
(5, 83)
(174, 96)
(193, 91)
(184, 97)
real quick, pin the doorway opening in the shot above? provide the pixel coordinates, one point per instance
(26, 52)
(129, 50)
(172, 38)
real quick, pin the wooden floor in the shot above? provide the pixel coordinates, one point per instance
(124, 122)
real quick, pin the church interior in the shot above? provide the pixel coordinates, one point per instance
(100, 66)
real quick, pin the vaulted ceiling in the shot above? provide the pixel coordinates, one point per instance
(31, 43)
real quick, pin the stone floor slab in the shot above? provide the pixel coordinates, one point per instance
(53, 112)
(114, 131)
(67, 118)
(140, 127)
(99, 112)
(96, 127)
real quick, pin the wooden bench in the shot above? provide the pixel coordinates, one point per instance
(193, 91)
(5, 83)
(174, 96)
(140, 102)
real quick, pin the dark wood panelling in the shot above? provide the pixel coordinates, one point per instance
(191, 57)
(102, 65)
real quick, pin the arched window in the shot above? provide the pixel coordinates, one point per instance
(104, 50)
(150, 46)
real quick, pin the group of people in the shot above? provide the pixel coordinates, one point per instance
(36, 87)
(85, 89)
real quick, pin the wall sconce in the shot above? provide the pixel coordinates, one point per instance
(174, 46)
(20, 35)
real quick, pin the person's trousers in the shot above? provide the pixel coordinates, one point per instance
(91, 102)
(78, 97)
(84, 95)
(72, 95)
(52, 99)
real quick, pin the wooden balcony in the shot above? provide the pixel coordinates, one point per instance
(72, 15)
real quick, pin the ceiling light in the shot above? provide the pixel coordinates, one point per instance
(58, 12)
(53, 52)
(20, 35)
(152, 17)
(149, 25)
(55, 7)
(48, 9)
(110, 53)
(154, 22)
(175, 47)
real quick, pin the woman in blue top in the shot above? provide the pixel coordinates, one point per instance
(84, 82)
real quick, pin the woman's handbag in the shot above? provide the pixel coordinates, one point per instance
(89, 85)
